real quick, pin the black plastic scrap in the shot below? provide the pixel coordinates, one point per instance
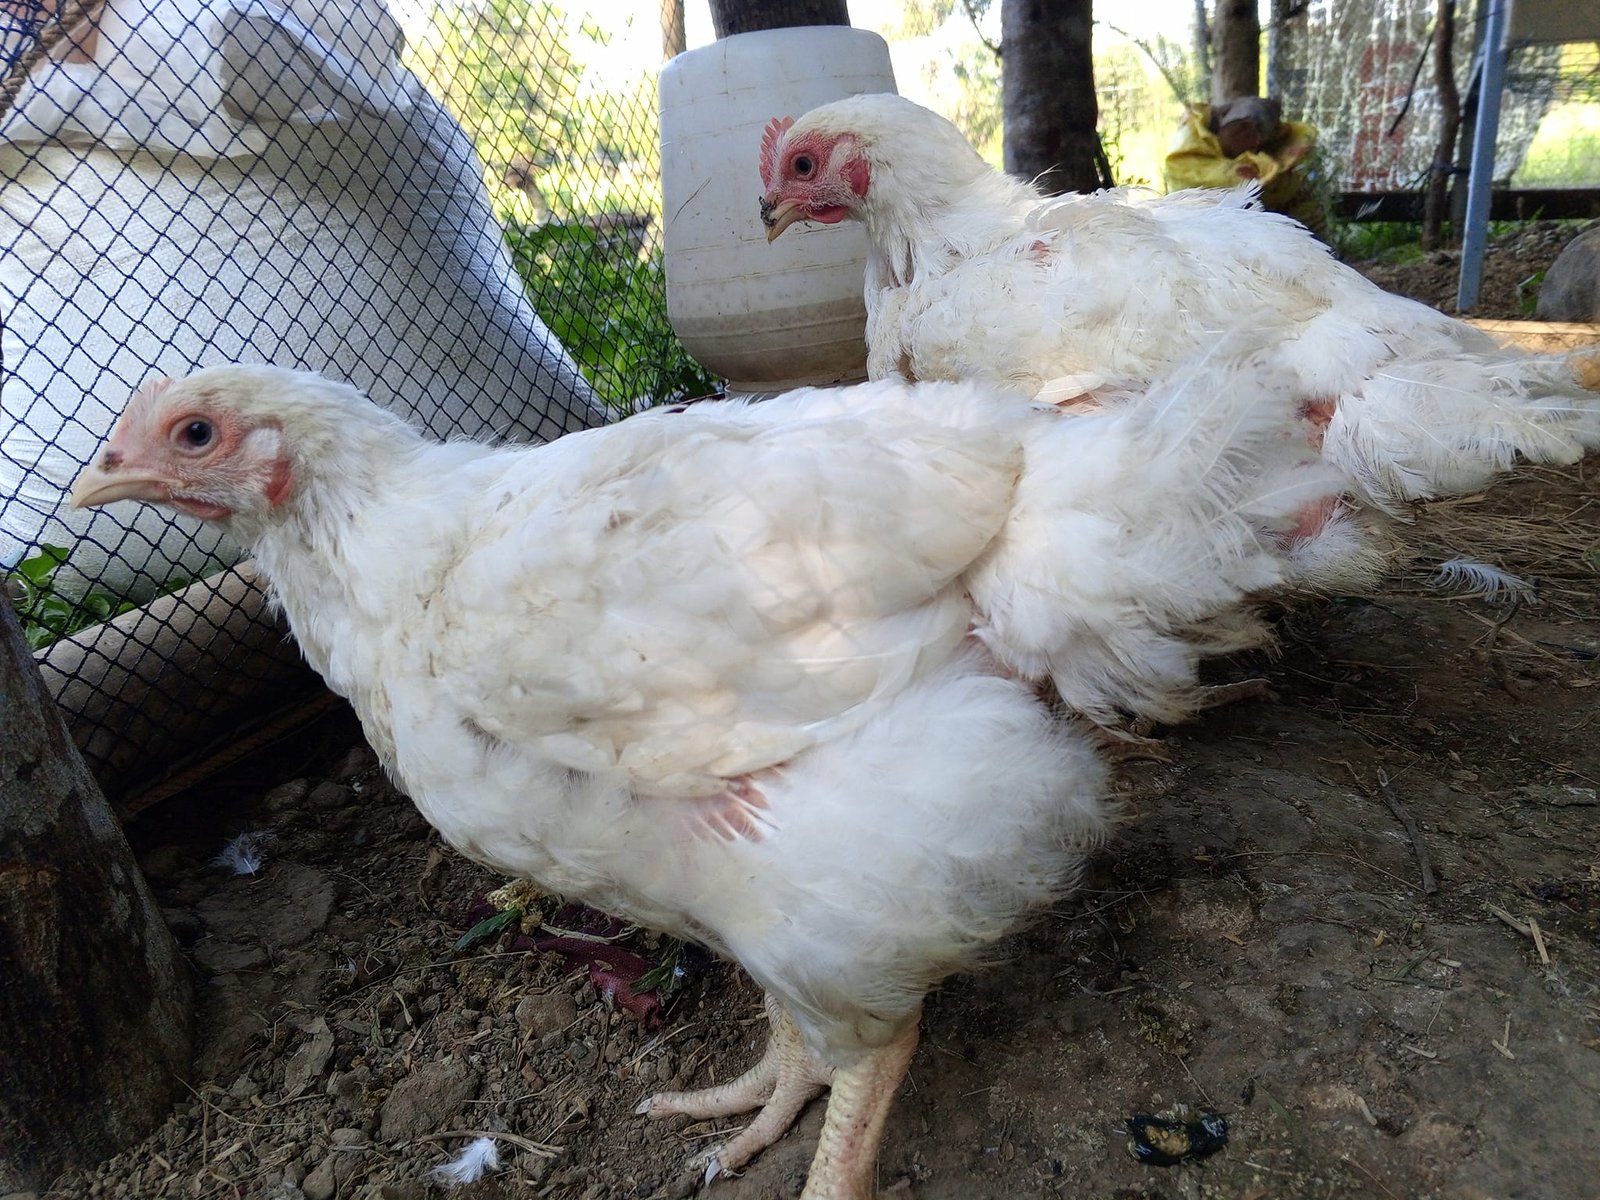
(1166, 1143)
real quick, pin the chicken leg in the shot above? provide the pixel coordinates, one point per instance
(788, 1076)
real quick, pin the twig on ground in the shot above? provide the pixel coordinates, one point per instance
(1528, 929)
(1504, 1044)
(1538, 941)
(1521, 928)
(1429, 884)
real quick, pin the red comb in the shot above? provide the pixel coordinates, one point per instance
(775, 129)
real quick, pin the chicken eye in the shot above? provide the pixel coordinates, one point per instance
(196, 434)
(804, 166)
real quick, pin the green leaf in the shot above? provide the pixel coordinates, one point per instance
(487, 928)
(38, 568)
(664, 979)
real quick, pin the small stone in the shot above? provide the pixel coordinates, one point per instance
(329, 796)
(358, 762)
(244, 1087)
(1571, 288)
(429, 1095)
(319, 1185)
(286, 797)
(348, 1087)
(543, 1013)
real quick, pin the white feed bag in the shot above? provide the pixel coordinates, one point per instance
(199, 181)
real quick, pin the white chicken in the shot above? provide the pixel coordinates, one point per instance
(974, 275)
(715, 670)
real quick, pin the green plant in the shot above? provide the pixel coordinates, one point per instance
(1385, 241)
(46, 615)
(607, 302)
(1528, 293)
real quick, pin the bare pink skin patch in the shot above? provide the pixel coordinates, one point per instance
(858, 173)
(1318, 412)
(737, 813)
(281, 483)
(1309, 521)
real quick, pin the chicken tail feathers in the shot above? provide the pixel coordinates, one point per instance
(1142, 531)
(1424, 428)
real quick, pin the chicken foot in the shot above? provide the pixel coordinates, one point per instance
(845, 1164)
(1207, 698)
(788, 1076)
(780, 1085)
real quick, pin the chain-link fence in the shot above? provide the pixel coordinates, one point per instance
(1363, 72)
(455, 215)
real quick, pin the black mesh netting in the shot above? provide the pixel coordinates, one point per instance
(459, 217)
(1362, 72)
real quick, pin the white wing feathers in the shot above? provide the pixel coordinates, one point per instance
(690, 597)
(693, 596)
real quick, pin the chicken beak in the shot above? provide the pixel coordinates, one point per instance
(778, 217)
(97, 486)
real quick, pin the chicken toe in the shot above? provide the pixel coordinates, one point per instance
(780, 1085)
(788, 1076)
(1220, 694)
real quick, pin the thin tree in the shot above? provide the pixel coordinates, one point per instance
(1047, 88)
(674, 35)
(96, 1001)
(1444, 74)
(747, 16)
(1236, 47)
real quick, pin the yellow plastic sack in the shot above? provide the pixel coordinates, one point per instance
(1197, 159)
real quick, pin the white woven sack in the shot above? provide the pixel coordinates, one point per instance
(209, 180)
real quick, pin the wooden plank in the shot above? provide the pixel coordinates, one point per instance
(153, 690)
(1505, 204)
(1542, 335)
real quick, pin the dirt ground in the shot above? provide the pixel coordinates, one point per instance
(1258, 943)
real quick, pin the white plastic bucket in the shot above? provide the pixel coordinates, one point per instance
(762, 316)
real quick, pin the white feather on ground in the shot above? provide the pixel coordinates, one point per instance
(474, 1160)
(245, 853)
(1474, 576)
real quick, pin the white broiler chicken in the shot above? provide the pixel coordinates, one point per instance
(974, 275)
(714, 671)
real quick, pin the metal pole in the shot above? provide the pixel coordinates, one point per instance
(1480, 176)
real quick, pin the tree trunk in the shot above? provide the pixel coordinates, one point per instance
(1444, 155)
(674, 37)
(95, 1004)
(1200, 29)
(1236, 39)
(1278, 46)
(747, 16)
(1047, 88)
